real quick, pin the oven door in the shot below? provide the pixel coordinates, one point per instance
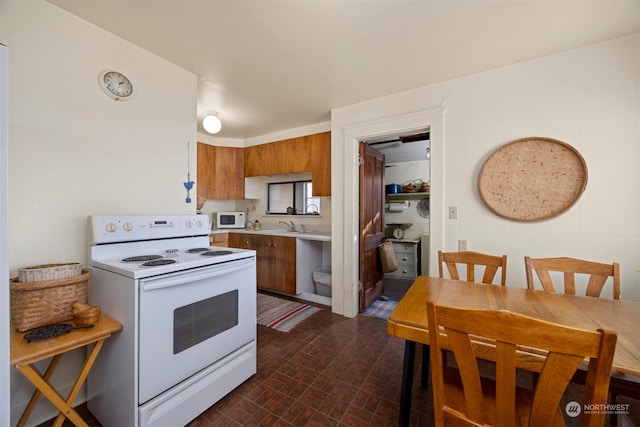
(191, 319)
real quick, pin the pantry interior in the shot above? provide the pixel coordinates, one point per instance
(407, 176)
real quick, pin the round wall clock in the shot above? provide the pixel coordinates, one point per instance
(116, 85)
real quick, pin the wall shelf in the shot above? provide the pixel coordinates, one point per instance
(407, 196)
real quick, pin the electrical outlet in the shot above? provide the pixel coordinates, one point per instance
(453, 212)
(462, 245)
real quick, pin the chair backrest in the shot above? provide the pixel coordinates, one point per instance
(504, 330)
(597, 273)
(472, 259)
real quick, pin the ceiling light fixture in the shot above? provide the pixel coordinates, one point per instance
(211, 123)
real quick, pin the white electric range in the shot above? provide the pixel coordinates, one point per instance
(189, 317)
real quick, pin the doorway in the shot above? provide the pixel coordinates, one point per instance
(371, 230)
(405, 209)
(345, 195)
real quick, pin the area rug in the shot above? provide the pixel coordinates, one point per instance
(280, 314)
(381, 308)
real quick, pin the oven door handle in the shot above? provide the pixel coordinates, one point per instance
(213, 271)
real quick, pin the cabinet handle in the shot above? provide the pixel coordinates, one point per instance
(404, 258)
(405, 271)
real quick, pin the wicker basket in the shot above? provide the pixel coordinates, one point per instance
(43, 303)
(388, 257)
(40, 273)
(90, 316)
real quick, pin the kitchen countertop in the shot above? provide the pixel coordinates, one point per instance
(404, 240)
(307, 235)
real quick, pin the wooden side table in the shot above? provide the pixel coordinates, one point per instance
(24, 355)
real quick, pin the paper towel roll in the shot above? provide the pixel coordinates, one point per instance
(396, 207)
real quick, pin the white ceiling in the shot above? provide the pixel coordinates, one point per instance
(267, 66)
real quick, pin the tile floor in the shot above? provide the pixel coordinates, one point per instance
(328, 371)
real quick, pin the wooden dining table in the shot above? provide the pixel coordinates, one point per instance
(409, 320)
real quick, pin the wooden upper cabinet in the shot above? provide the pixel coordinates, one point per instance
(220, 172)
(305, 153)
(286, 156)
(321, 164)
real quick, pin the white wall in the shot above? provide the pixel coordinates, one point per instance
(75, 152)
(587, 97)
(4, 241)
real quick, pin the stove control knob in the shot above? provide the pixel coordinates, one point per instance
(199, 224)
(189, 224)
(127, 226)
(111, 227)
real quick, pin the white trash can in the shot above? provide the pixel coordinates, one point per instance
(322, 280)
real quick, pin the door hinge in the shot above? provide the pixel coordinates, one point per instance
(360, 160)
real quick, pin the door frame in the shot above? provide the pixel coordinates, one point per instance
(345, 196)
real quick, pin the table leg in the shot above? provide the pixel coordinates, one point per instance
(407, 383)
(86, 367)
(36, 394)
(54, 397)
(426, 359)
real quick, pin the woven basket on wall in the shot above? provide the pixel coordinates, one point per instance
(43, 303)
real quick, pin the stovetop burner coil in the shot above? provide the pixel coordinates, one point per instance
(197, 250)
(156, 262)
(216, 253)
(141, 258)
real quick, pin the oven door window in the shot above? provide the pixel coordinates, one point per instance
(189, 320)
(199, 321)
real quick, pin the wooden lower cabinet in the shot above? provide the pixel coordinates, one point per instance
(219, 239)
(275, 259)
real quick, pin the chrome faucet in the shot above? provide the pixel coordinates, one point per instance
(290, 225)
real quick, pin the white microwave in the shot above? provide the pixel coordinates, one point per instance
(231, 220)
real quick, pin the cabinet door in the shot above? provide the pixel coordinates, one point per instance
(205, 174)
(275, 259)
(242, 241)
(264, 255)
(321, 164)
(282, 274)
(219, 239)
(220, 172)
(306, 153)
(260, 160)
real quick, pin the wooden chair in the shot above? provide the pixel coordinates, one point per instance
(451, 260)
(461, 397)
(598, 274)
(491, 265)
